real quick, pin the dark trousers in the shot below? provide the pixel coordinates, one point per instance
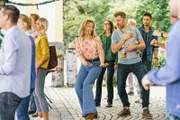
(110, 73)
(122, 73)
(22, 110)
(8, 104)
(32, 104)
(147, 64)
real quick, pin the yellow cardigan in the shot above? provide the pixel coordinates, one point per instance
(42, 50)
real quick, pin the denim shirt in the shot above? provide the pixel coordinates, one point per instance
(149, 48)
(169, 74)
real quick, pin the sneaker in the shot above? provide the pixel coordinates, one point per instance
(35, 114)
(130, 93)
(109, 105)
(138, 101)
(146, 114)
(38, 118)
(124, 112)
(98, 105)
(42, 119)
(31, 112)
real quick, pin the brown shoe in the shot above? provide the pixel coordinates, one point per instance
(91, 116)
(146, 114)
(124, 112)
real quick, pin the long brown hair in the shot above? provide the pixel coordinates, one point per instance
(111, 27)
(83, 26)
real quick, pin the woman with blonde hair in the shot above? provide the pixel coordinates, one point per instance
(42, 60)
(90, 51)
(22, 111)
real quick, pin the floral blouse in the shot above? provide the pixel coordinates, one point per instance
(90, 48)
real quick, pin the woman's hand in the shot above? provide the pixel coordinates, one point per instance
(104, 65)
(86, 63)
(115, 67)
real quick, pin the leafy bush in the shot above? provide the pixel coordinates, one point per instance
(161, 62)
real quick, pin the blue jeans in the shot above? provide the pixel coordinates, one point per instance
(8, 104)
(22, 110)
(32, 104)
(122, 74)
(41, 103)
(85, 78)
(110, 73)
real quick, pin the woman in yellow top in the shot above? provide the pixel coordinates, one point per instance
(42, 60)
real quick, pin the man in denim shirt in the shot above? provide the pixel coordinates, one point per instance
(147, 33)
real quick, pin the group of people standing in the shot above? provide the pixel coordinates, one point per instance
(24, 58)
(126, 49)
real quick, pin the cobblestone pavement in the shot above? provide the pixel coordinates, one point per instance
(66, 106)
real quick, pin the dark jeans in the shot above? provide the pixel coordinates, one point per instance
(110, 73)
(22, 110)
(8, 104)
(122, 73)
(147, 64)
(32, 104)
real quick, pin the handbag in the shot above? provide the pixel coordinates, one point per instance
(53, 57)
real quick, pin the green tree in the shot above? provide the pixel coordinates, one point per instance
(75, 11)
(159, 10)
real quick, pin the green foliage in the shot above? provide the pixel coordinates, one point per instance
(76, 11)
(159, 10)
(161, 62)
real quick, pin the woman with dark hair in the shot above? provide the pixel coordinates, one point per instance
(110, 58)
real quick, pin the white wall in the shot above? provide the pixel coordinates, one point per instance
(53, 12)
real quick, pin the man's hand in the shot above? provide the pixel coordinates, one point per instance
(156, 33)
(115, 67)
(130, 47)
(155, 62)
(146, 83)
(127, 35)
(154, 42)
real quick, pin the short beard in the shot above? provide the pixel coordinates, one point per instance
(121, 27)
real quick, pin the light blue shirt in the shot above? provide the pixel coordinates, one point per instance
(169, 74)
(15, 62)
(116, 38)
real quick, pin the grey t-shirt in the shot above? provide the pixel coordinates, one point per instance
(116, 38)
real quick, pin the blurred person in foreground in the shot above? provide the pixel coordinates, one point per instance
(169, 73)
(15, 63)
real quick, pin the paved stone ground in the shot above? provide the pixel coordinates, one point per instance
(66, 107)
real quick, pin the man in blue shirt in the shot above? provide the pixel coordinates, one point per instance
(126, 41)
(15, 63)
(169, 74)
(147, 33)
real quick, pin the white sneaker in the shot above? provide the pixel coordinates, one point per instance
(42, 119)
(38, 118)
